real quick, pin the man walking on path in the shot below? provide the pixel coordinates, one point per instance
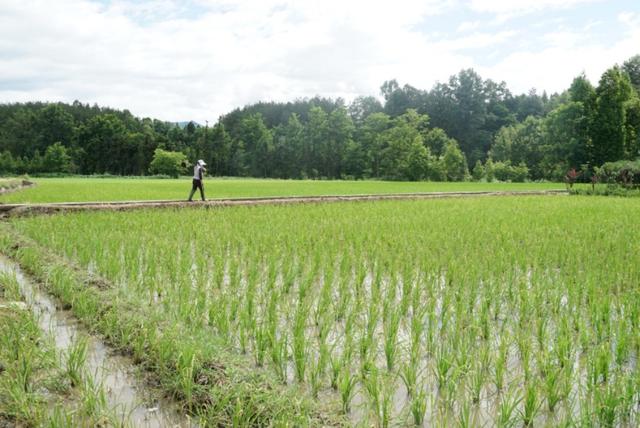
(198, 176)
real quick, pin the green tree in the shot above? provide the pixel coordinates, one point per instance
(371, 137)
(632, 127)
(454, 162)
(339, 136)
(220, 143)
(8, 164)
(608, 129)
(436, 140)
(478, 171)
(362, 107)
(56, 159)
(257, 140)
(168, 163)
(404, 156)
(103, 140)
(567, 140)
(317, 130)
(632, 68)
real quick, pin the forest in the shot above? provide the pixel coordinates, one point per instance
(462, 129)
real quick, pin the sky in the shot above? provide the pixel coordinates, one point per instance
(197, 60)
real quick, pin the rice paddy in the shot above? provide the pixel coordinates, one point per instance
(512, 311)
(136, 189)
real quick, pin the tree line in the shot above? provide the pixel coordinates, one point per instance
(467, 127)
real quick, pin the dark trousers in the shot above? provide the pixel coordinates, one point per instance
(197, 184)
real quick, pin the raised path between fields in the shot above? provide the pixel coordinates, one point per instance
(17, 210)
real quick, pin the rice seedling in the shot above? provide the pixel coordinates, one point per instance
(75, 360)
(525, 302)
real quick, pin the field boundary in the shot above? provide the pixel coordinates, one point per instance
(17, 210)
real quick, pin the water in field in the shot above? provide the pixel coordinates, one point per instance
(133, 404)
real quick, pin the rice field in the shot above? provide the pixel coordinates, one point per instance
(135, 189)
(501, 312)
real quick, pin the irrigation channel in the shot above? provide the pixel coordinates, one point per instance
(17, 210)
(127, 396)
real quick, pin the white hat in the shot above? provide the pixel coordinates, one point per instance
(201, 162)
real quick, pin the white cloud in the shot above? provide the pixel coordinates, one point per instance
(567, 55)
(507, 9)
(176, 61)
(156, 60)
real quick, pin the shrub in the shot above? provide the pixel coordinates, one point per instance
(168, 163)
(625, 173)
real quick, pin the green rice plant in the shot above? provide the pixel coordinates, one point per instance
(347, 387)
(75, 360)
(500, 363)
(464, 418)
(622, 345)
(94, 406)
(443, 367)
(336, 367)
(262, 341)
(531, 404)
(552, 386)
(409, 372)
(186, 365)
(418, 406)
(315, 376)
(280, 355)
(380, 390)
(507, 409)
(10, 286)
(607, 399)
(390, 327)
(59, 417)
(476, 382)
(299, 344)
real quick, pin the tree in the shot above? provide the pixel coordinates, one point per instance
(632, 127)
(436, 140)
(373, 143)
(103, 140)
(257, 140)
(317, 130)
(404, 156)
(632, 68)
(608, 130)
(56, 159)
(566, 140)
(339, 136)
(7, 163)
(362, 107)
(454, 162)
(478, 171)
(220, 143)
(168, 163)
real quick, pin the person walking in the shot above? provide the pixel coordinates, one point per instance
(198, 177)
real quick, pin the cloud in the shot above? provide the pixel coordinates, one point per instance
(199, 59)
(508, 9)
(566, 55)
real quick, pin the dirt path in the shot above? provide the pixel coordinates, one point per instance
(13, 210)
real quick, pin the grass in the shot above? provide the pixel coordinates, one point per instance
(130, 189)
(38, 385)
(402, 312)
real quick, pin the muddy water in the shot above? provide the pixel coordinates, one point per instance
(131, 402)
